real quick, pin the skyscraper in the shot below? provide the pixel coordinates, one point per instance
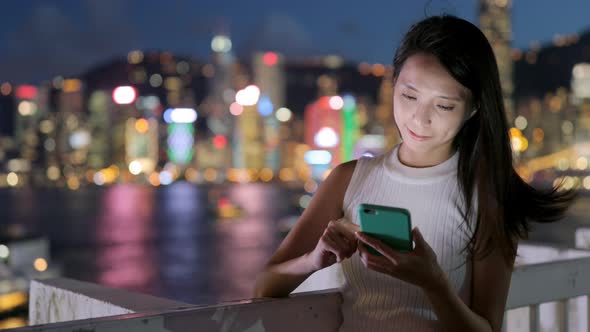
(269, 76)
(495, 22)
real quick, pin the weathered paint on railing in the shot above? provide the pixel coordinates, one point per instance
(61, 299)
(317, 311)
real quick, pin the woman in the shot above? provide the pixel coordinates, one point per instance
(453, 171)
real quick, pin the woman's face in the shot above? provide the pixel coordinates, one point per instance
(429, 106)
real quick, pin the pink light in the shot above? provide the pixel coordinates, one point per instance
(219, 141)
(236, 109)
(26, 92)
(270, 58)
(222, 202)
(336, 102)
(124, 95)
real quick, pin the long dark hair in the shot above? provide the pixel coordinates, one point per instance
(505, 202)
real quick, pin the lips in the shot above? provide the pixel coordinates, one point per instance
(416, 136)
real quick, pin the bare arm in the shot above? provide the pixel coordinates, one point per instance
(290, 265)
(490, 284)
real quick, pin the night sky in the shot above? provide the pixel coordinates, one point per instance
(41, 39)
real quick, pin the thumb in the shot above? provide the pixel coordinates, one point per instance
(418, 238)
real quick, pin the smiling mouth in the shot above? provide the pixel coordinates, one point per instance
(420, 137)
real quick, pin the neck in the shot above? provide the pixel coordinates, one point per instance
(421, 159)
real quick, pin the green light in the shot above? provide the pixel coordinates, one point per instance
(180, 142)
(350, 127)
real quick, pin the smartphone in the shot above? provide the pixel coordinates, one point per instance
(391, 225)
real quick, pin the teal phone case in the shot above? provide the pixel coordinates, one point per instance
(391, 225)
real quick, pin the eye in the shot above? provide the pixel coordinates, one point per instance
(408, 97)
(446, 108)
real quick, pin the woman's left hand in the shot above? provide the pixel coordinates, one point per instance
(418, 267)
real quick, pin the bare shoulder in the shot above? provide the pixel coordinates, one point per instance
(342, 174)
(347, 168)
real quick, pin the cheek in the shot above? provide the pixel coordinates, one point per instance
(398, 112)
(451, 127)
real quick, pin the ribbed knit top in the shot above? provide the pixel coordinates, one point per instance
(377, 302)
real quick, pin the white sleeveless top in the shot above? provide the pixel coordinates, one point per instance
(377, 302)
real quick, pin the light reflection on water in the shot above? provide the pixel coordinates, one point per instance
(166, 241)
(125, 229)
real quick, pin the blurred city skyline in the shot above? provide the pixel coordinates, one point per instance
(43, 39)
(267, 115)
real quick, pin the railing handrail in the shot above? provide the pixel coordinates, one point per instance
(316, 310)
(547, 282)
(530, 285)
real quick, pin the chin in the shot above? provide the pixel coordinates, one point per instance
(418, 146)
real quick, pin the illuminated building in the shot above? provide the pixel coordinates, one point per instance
(141, 145)
(269, 76)
(350, 127)
(31, 104)
(73, 138)
(248, 147)
(180, 134)
(161, 81)
(248, 141)
(551, 93)
(495, 22)
(99, 105)
(324, 126)
(217, 122)
(46, 154)
(548, 124)
(308, 79)
(324, 77)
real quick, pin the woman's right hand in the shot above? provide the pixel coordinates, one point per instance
(337, 243)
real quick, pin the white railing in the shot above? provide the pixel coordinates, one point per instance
(544, 296)
(318, 311)
(549, 296)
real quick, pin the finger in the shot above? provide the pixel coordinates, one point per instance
(367, 256)
(337, 246)
(328, 243)
(340, 242)
(417, 236)
(349, 226)
(381, 247)
(385, 269)
(373, 262)
(363, 252)
(345, 231)
(348, 238)
(329, 257)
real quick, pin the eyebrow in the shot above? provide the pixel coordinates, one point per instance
(409, 86)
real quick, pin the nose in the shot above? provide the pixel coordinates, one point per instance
(422, 116)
